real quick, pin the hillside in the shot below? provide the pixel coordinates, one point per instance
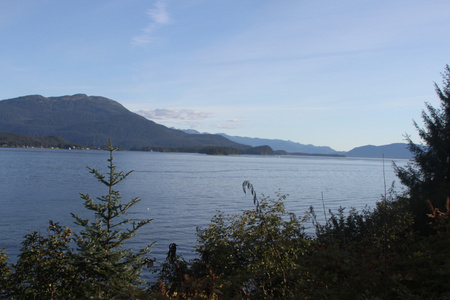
(91, 120)
(397, 150)
(12, 140)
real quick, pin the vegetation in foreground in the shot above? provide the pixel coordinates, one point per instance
(398, 250)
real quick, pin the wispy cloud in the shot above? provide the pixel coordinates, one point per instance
(228, 126)
(174, 114)
(159, 13)
(231, 124)
(158, 17)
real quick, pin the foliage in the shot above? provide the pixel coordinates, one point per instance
(187, 149)
(213, 150)
(45, 269)
(427, 177)
(260, 150)
(387, 223)
(19, 140)
(424, 268)
(216, 150)
(5, 273)
(264, 254)
(257, 253)
(377, 255)
(105, 268)
(440, 220)
(179, 280)
(355, 252)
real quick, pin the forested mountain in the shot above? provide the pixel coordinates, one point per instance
(91, 120)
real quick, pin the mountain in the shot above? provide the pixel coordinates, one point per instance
(91, 120)
(275, 144)
(397, 150)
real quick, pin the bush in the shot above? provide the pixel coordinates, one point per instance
(258, 253)
(5, 273)
(45, 267)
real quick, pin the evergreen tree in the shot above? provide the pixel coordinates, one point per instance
(427, 176)
(106, 267)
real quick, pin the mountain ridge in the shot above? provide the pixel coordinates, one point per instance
(278, 144)
(394, 150)
(275, 144)
(91, 121)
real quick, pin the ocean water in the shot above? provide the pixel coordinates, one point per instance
(179, 191)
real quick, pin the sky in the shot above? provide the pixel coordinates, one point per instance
(331, 73)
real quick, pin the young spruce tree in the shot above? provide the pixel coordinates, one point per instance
(106, 267)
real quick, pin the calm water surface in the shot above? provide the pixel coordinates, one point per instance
(178, 191)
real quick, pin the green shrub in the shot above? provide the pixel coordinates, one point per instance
(45, 268)
(258, 253)
(5, 273)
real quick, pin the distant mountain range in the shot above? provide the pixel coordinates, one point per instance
(397, 150)
(91, 120)
(276, 144)
(288, 146)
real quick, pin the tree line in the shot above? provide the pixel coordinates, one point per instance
(397, 250)
(13, 140)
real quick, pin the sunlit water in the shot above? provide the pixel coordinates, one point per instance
(178, 191)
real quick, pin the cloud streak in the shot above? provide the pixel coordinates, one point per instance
(174, 114)
(228, 126)
(159, 17)
(159, 13)
(231, 124)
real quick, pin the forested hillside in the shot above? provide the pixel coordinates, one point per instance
(18, 140)
(91, 121)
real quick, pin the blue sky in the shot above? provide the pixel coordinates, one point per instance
(330, 73)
